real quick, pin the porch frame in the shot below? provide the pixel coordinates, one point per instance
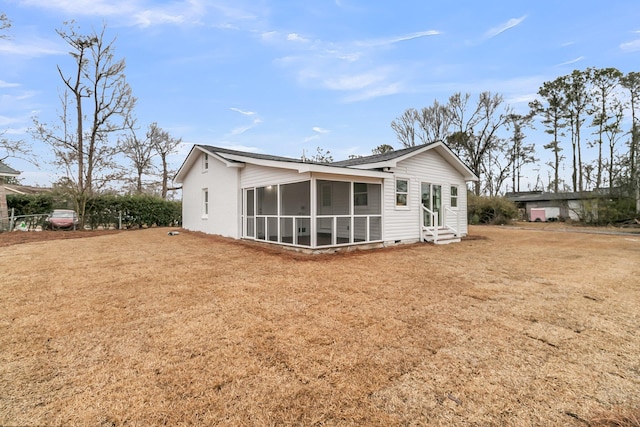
(275, 221)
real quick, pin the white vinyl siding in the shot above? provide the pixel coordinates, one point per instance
(404, 225)
(222, 185)
(260, 176)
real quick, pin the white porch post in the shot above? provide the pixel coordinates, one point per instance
(313, 211)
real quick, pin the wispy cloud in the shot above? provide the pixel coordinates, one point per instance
(318, 132)
(4, 84)
(244, 128)
(573, 61)
(146, 13)
(396, 39)
(513, 22)
(348, 66)
(30, 48)
(632, 46)
(295, 37)
(246, 113)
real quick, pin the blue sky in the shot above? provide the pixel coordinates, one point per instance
(283, 76)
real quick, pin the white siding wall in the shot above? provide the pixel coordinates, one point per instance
(260, 176)
(222, 183)
(404, 223)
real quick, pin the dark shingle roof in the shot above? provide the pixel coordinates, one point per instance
(6, 170)
(259, 156)
(376, 158)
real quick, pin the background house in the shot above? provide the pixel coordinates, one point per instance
(5, 171)
(575, 206)
(409, 195)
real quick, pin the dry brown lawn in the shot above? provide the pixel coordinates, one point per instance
(509, 327)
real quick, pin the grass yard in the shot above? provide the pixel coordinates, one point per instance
(510, 327)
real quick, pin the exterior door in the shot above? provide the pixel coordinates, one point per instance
(432, 199)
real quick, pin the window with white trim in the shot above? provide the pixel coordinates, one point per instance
(205, 162)
(454, 196)
(402, 192)
(205, 203)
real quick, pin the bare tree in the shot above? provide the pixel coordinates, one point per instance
(164, 145)
(475, 137)
(435, 122)
(404, 127)
(102, 100)
(5, 24)
(519, 153)
(321, 156)
(140, 152)
(381, 149)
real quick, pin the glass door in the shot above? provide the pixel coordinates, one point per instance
(431, 198)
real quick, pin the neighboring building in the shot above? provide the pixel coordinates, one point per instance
(25, 189)
(409, 195)
(5, 171)
(539, 205)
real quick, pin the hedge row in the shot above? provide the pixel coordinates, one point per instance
(105, 210)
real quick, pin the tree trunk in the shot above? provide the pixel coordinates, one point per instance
(165, 176)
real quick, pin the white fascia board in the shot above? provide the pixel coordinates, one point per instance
(302, 167)
(191, 159)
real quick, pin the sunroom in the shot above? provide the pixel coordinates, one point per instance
(314, 213)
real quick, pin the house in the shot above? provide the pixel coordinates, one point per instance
(5, 171)
(545, 206)
(25, 189)
(403, 196)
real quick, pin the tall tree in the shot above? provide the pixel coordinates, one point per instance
(520, 153)
(405, 127)
(475, 130)
(435, 122)
(97, 90)
(631, 82)
(164, 145)
(552, 112)
(575, 87)
(5, 24)
(612, 132)
(139, 151)
(604, 82)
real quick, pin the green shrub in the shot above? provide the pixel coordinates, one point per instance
(30, 204)
(106, 210)
(490, 210)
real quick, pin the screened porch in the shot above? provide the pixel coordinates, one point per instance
(314, 213)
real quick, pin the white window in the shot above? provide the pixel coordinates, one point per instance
(402, 192)
(205, 203)
(454, 196)
(205, 162)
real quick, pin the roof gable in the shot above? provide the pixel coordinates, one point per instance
(7, 171)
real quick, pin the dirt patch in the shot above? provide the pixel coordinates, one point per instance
(19, 237)
(509, 327)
